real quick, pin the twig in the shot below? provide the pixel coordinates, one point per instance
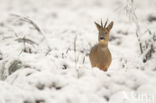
(75, 50)
(140, 44)
(25, 40)
(75, 39)
(84, 59)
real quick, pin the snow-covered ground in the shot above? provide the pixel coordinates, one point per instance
(52, 65)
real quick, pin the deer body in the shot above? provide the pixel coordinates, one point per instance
(100, 55)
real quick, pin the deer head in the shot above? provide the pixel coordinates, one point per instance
(104, 31)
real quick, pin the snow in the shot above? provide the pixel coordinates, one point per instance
(32, 73)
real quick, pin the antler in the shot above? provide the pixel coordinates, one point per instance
(101, 23)
(106, 23)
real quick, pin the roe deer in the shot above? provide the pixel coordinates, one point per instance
(100, 55)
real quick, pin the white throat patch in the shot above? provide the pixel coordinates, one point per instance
(103, 49)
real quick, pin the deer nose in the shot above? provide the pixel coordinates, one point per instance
(101, 38)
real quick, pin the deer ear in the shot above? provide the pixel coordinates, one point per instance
(98, 26)
(109, 27)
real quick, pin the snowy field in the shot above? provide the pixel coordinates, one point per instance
(47, 62)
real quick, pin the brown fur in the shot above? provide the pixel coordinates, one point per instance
(100, 55)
